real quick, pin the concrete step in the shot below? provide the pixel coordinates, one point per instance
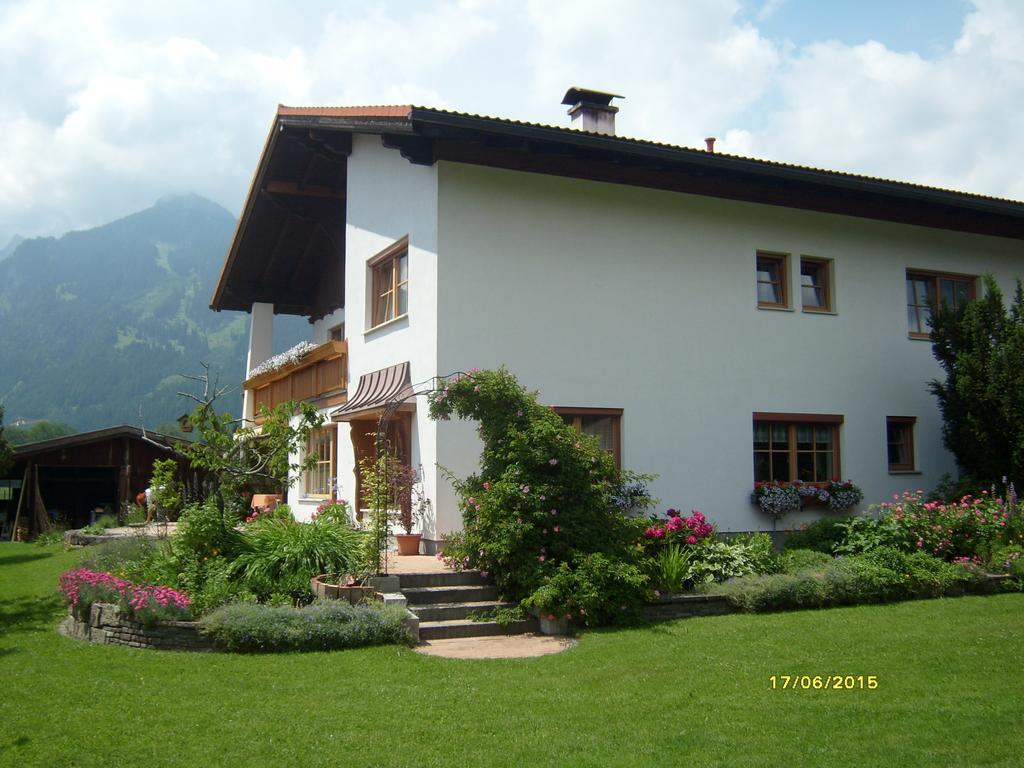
(447, 579)
(449, 611)
(458, 594)
(443, 630)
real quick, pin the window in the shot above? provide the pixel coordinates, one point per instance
(899, 438)
(337, 333)
(602, 423)
(794, 446)
(772, 287)
(390, 283)
(925, 291)
(318, 480)
(816, 285)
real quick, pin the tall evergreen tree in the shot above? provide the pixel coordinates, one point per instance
(980, 345)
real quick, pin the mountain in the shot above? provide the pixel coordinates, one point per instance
(98, 323)
(11, 246)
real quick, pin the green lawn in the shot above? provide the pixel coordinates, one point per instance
(692, 693)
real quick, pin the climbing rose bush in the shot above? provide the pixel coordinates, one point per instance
(542, 504)
(144, 603)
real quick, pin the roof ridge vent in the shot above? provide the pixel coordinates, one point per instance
(591, 110)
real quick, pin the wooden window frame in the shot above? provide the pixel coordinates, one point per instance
(782, 259)
(907, 423)
(331, 462)
(577, 415)
(826, 269)
(791, 421)
(336, 332)
(378, 265)
(935, 279)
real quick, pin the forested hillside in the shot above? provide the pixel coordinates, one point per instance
(97, 324)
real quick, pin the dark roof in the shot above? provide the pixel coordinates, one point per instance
(291, 233)
(81, 438)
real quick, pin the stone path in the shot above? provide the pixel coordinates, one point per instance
(496, 647)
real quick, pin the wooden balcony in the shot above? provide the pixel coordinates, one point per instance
(320, 377)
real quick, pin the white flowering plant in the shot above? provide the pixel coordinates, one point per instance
(286, 358)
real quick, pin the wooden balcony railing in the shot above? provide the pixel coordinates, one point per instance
(319, 376)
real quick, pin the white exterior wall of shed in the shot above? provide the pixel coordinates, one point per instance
(612, 296)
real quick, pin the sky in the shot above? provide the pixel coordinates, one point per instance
(106, 106)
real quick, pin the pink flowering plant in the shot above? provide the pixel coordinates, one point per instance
(144, 603)
(543, 505)
(676, 529)
(956, 531)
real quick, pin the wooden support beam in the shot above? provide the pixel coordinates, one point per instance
(302, 190)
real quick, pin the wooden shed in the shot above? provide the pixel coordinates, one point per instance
(67, 478)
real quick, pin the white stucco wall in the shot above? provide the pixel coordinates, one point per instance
(389, 198)
(608, 296)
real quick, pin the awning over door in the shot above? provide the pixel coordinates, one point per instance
(375, 391)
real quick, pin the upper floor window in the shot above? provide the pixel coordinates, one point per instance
(337, 333)
(772, 280)
(927, 291)
(816, 284)
(796, 446)
(390, 283)
(602, 423)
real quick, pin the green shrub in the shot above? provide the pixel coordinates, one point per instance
(758, 550)
(822, 535)
(881, 575)
(205, 531)
(139, 559)
(545, 500)
(282, 556)
(672, 568)
(968, 528)
(101, 524)
(51, 537)
(322, 626)
(794, 560)
(167, 493)
(592, 590)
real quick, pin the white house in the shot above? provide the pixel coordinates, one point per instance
(716, 320)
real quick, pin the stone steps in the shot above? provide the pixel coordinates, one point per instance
(463, 593)
(444, 602)
(443, 630)
(448, 579)
(450, 611)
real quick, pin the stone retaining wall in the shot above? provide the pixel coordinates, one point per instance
(104, 624)
(685, 606)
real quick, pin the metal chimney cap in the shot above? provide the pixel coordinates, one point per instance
(577, 95)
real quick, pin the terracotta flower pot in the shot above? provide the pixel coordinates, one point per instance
(408, 543)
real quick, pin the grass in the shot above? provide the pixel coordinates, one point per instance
(693, 692)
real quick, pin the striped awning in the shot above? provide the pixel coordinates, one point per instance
(375, 391)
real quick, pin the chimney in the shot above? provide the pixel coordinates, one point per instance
(709, 142)
(591, 110)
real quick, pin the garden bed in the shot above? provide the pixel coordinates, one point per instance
(104, 623)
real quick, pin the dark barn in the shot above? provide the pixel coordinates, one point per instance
(65, 480)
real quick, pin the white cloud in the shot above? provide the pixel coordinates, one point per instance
(108, 105)
(950, 120)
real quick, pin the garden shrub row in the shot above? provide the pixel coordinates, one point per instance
(322, 626)
(885, 574)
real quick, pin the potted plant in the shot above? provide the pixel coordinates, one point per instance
(415, 507)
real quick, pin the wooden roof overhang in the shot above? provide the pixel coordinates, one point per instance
(289, 246)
